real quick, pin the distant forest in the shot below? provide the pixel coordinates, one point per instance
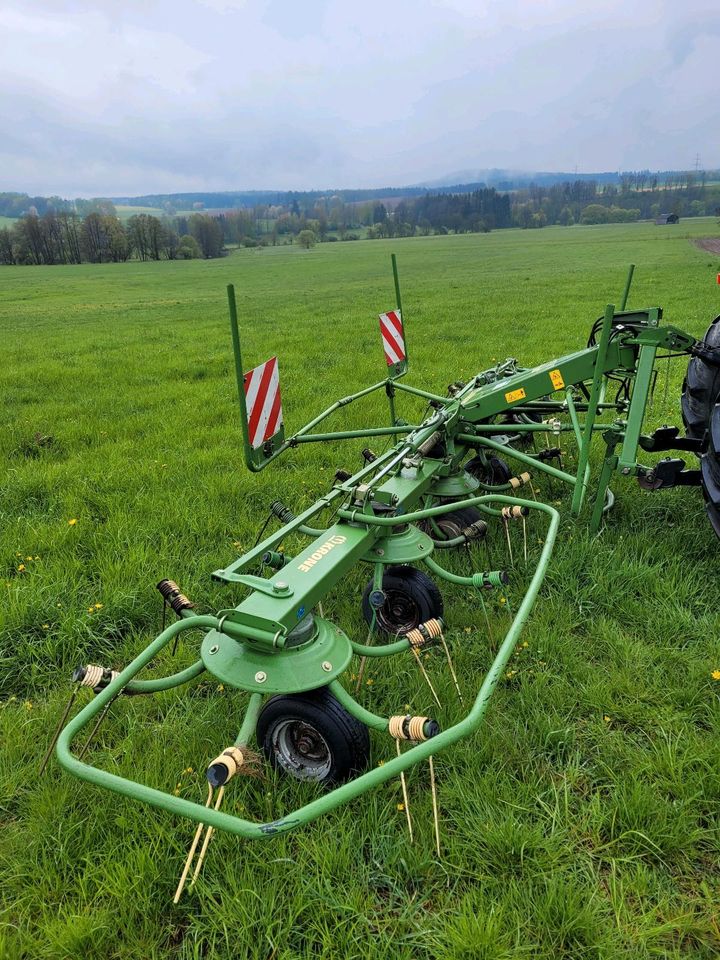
(51, 230)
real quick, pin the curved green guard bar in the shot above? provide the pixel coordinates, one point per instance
(321, 805)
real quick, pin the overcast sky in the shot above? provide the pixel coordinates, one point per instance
(124, 97)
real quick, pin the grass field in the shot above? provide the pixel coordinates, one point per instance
(125, 212)
(580, 822)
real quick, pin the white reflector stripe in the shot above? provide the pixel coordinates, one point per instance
(262, 399)
(393, 336)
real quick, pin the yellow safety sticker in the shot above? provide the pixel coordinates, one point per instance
(515, 395)
(557, 380)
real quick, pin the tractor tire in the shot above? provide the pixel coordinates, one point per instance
(710, 470)
(701, 416)
(311, 736)
(411, 598)
(701, 388)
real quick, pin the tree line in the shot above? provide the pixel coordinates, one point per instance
(65, 237)
(53, 231)
(640, 196)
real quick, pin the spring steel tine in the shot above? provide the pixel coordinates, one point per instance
(59, 727)
(95, 729)
(436, 818)
(363, 660)
(206, 841)
(406, 801)
(450, 665)
(509, 545)
(425, 674)
(191, 853)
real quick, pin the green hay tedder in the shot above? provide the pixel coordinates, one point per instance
(444, 483)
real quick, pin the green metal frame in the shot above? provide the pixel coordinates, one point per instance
(376, 511)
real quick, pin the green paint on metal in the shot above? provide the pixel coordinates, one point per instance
(626, 292)
(307, 666)
(406, 546)
(399, 369)
(459, 484)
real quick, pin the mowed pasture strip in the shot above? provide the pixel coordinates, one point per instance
(582, 821)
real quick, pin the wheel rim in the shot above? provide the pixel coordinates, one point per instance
(301, 750)
(399, 613)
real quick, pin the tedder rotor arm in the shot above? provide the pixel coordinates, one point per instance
(341, 794)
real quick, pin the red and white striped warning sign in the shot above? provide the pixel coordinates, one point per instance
(262, 399)
(393, 336)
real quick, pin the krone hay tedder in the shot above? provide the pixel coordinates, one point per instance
(443, 484)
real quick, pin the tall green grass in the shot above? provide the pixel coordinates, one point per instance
(582, 821)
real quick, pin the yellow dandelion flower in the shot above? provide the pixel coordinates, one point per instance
(71, 523)
(503, 600)
(370, 682)
(525, 643)
(401, 806)
(606, 718)
(28, 705)
(98, 606)
(221, 687)
(28, 558)
(381, 763)
(176, 793)
(46, 626)
(715, 674)
(188, 770)
(21, 567)
(91, 609)
(468, 629)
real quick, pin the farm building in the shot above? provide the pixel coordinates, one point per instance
(667, 218)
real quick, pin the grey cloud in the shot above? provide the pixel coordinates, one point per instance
(224, 94)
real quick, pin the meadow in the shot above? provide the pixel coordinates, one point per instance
(580, 822)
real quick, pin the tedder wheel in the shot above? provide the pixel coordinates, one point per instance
(495, 472)
(310, 736)
(411, 598)
(701, 388)
(451, 525)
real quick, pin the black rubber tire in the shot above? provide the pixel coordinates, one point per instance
(701, 388)
(710, 470)
(290, 721)
(451, 524)
(495, 472)
(411, 598)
